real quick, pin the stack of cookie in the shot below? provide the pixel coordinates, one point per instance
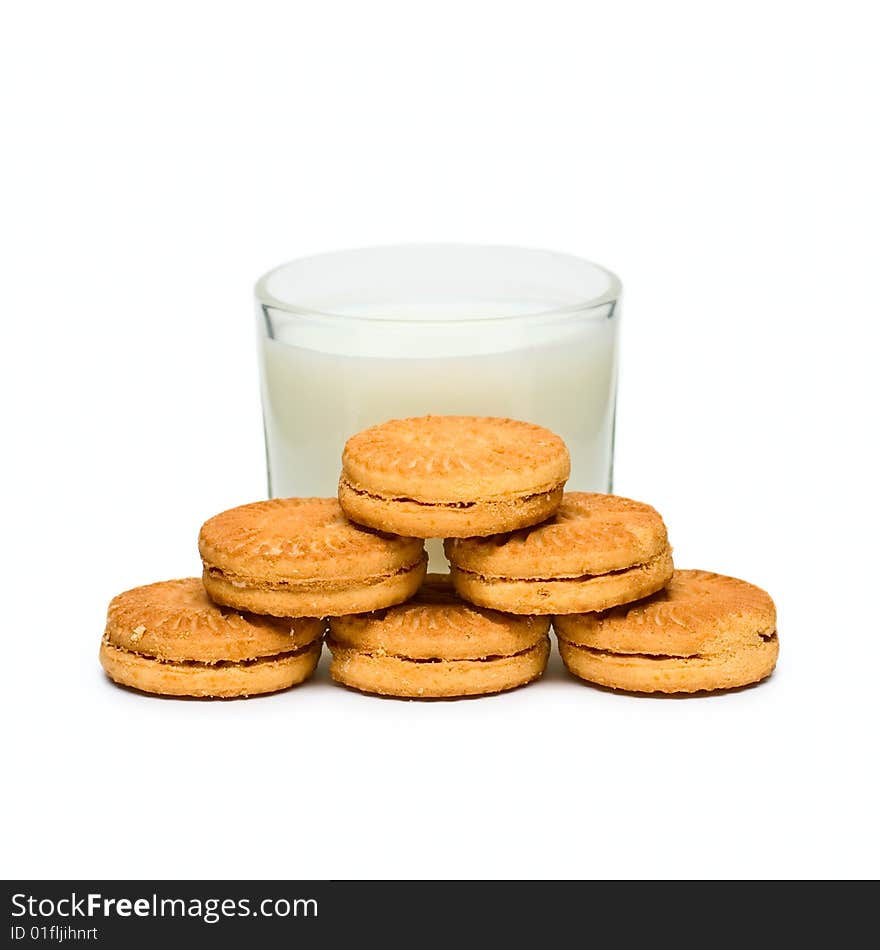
(523, 553)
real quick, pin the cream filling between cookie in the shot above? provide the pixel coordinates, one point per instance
(334, 644)
(499, 579)
(500, 500)
(764, 638)
(244, 582)
(218, 664)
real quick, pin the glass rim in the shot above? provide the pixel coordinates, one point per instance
(610, 295)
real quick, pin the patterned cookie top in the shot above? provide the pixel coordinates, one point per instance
(448, 459)
(698, 613)
(300, 539)
(589, 534)
(175, 620)
(437, 624)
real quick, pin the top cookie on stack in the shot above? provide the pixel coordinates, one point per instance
(452, 476)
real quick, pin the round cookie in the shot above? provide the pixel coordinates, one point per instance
(703, 632)
(169, 638)
(452, 476)
(597, 551)
(437, 646)
(301, 557)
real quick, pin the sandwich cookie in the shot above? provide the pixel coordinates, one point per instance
(703, 632)
(437, 646)
(301, 557)
(452, 476)
(597, 551)
(169, 638)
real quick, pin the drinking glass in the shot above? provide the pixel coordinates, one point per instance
(351, 339)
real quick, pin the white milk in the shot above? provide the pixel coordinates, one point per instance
(325, 378)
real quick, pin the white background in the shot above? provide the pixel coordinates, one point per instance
(722, 158)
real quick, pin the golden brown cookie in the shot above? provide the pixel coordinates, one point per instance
(301, 557)
(169, 638)
(452, 476)
(703, 632)
(437, 646)
(595, 552)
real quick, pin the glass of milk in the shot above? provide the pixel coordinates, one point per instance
(351, 339)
